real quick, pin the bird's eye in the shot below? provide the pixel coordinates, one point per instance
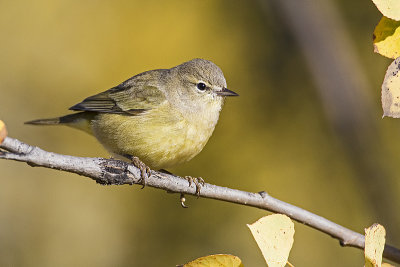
(201, 86)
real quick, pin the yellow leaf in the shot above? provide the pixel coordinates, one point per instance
(3, 131)
(219, 260)
(391, 91)
(389, 8)
(374, 245)
(274, 236)
(387, 265)
(386, 38)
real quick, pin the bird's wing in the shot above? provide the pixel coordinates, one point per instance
(132, 97)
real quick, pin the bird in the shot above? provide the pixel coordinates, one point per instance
(157, 119)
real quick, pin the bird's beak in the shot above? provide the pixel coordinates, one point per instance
(226, 92)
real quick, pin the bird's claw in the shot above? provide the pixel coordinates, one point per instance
(145, 171)
(199, 182)
(183, 199)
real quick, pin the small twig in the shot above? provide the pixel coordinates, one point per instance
(115, 172)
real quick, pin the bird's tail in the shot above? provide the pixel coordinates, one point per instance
(80, 120)
(52, 121)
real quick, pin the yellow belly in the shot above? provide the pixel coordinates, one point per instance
(159, 137)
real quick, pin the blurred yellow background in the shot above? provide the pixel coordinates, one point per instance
(277, 136)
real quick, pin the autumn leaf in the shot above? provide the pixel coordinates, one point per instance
(386, 38)
(3, 131)
(391, 91)
(219, 260)
(274, 236)
(374, 245)
(389, 8)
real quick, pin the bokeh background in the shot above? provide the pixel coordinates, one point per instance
(307, 128)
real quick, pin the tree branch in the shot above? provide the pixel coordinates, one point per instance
(115, 172)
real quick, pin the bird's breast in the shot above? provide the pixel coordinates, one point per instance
(161, 137)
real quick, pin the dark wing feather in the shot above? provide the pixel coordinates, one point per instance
(132, 97)
(99, 103)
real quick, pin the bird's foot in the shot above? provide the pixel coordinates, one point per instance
(145, 171)
(190, 179)
(199, 182)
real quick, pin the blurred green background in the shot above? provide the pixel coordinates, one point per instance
(279, 135)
